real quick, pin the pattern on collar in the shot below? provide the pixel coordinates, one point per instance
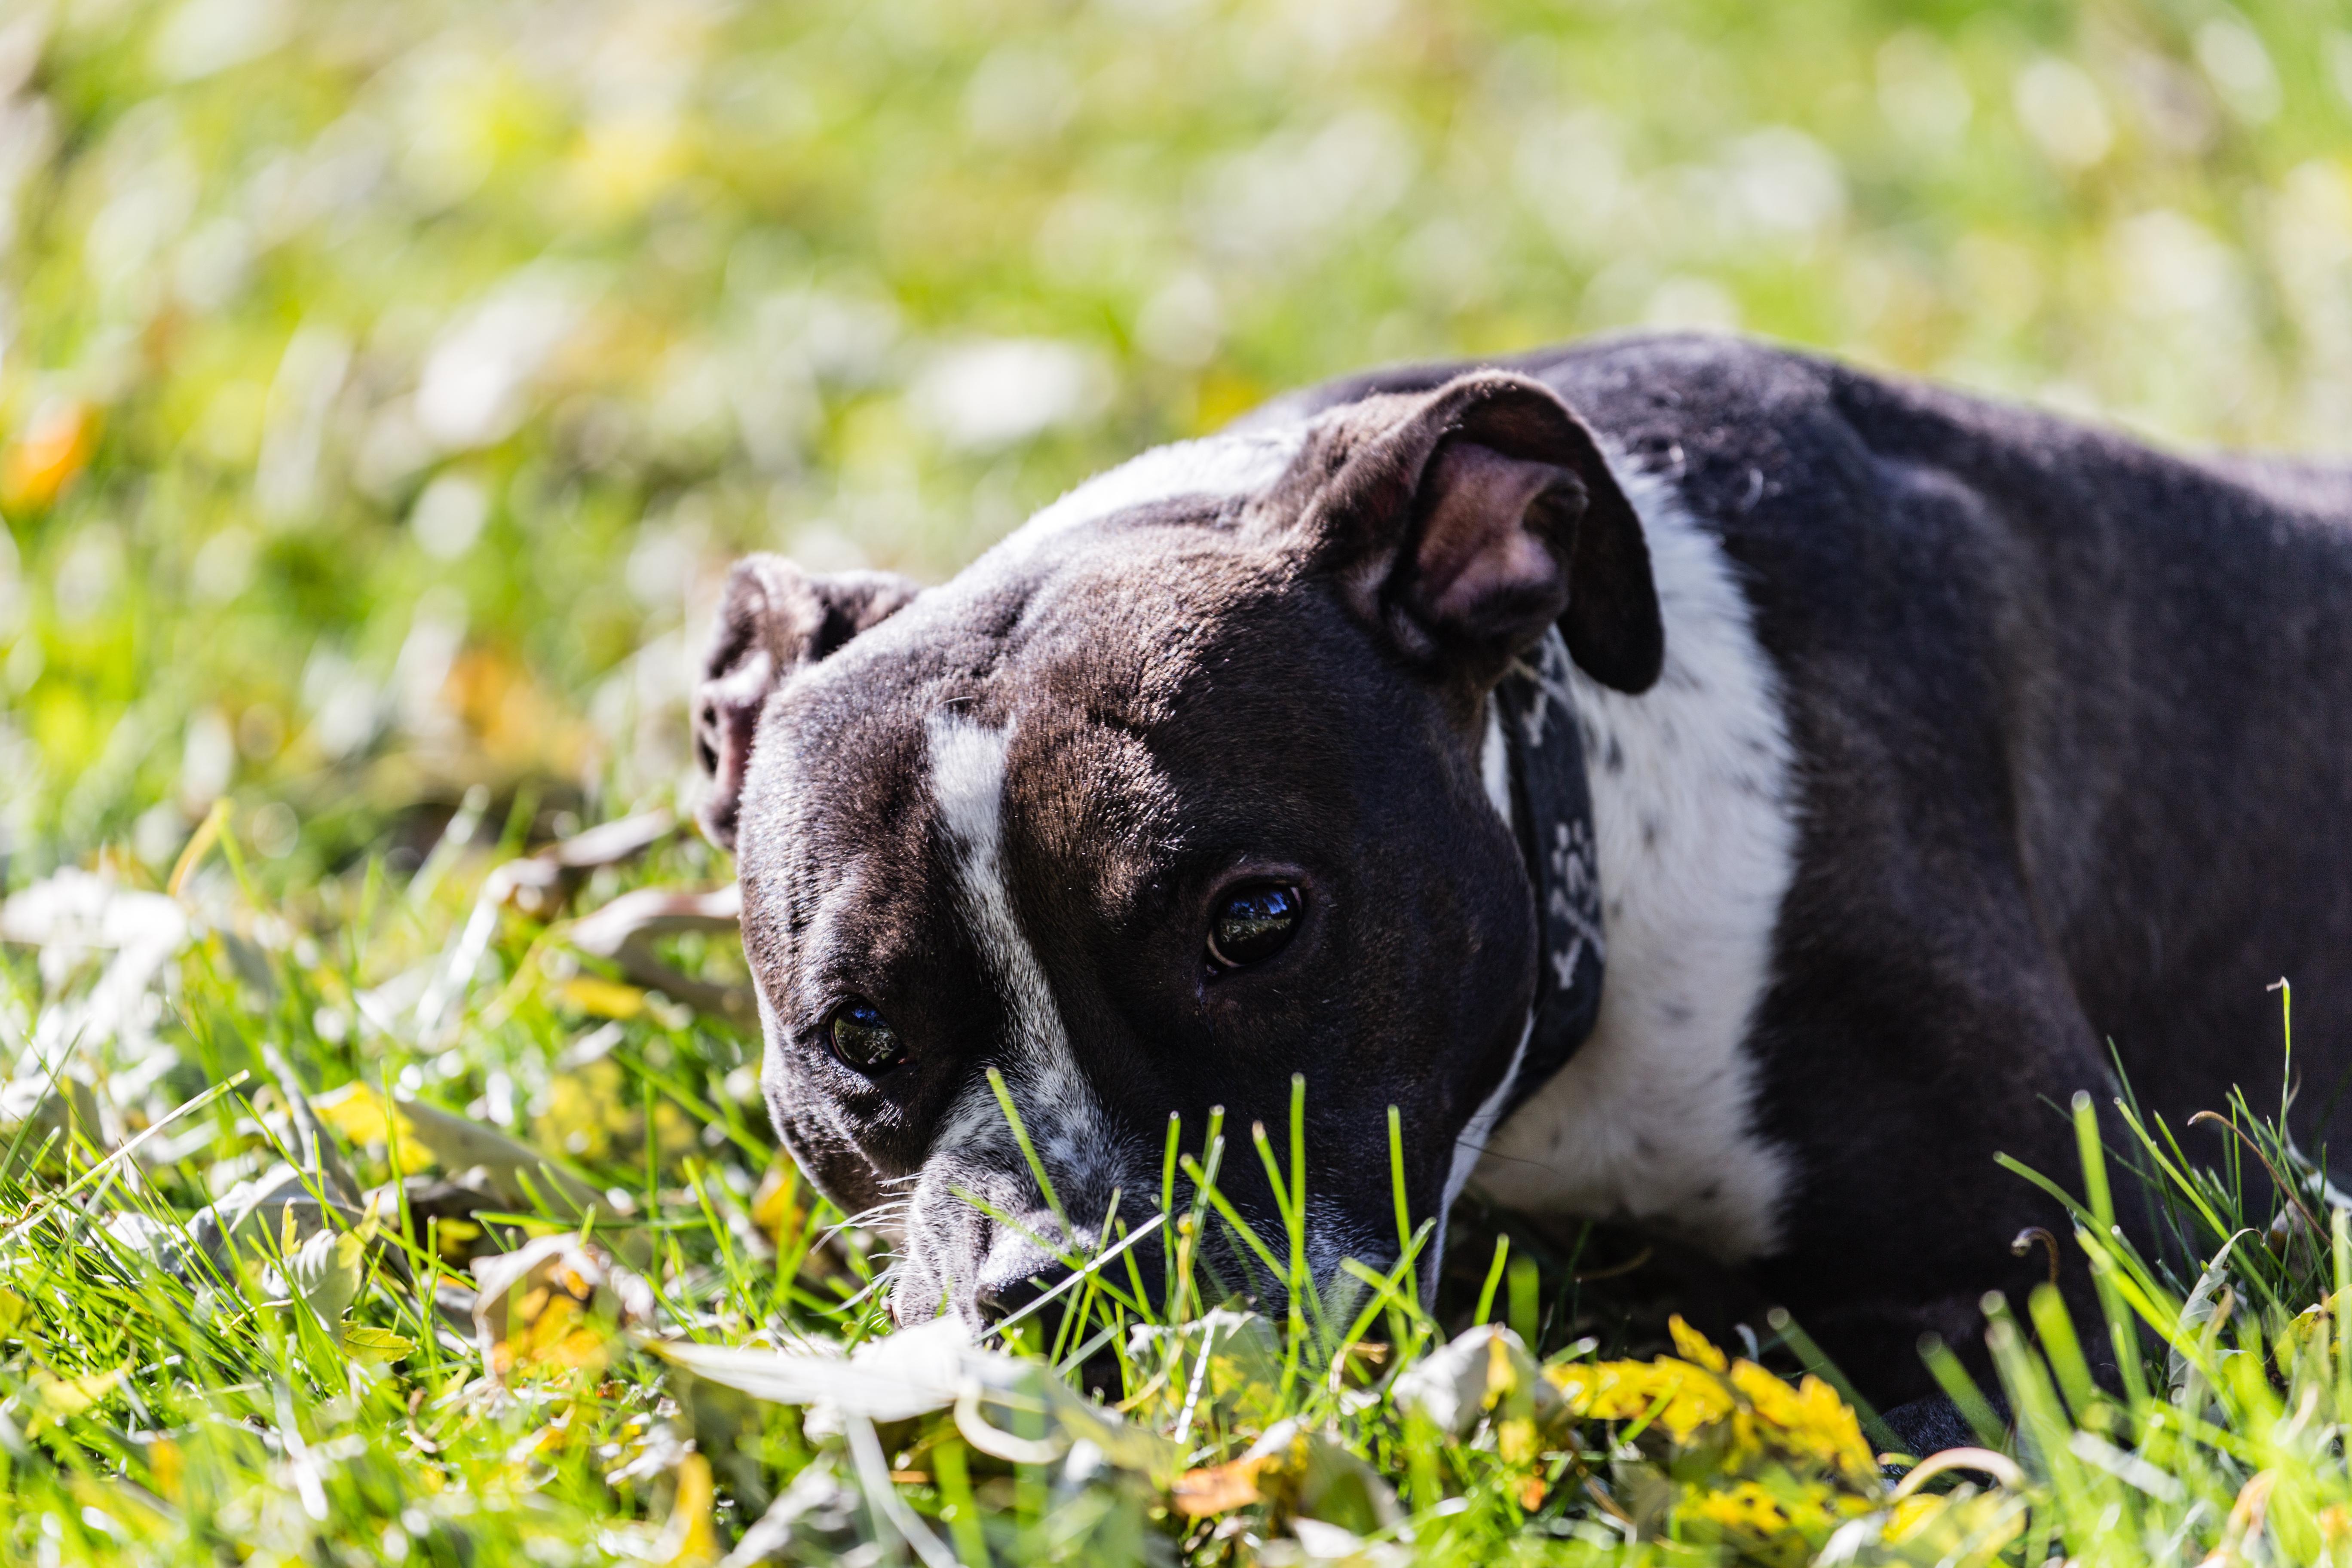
(1551, 811)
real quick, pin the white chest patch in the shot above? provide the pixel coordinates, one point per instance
(1057, 1106)
(1692, 811)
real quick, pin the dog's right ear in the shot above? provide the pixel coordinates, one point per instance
(774, 619)
(1466, 520)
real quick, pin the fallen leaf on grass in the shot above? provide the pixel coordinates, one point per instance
(375, 1347)
(929, 1368)
(781, 1206)
(1304, 1475)
(687, 1538)
(359, 1117)
(44, 456)
(1313, 1541)
(895, 1378)
(518, 1173)
(1216, 1488)
(165, 1464)
(623, 933)
(1484, 1372)
(324, 1271)
(59, 1113)
(56, 1400)
(554, 1303)
(73, 909)
(817, 1515)
(537, 884)
(1730, 1456)
(602, 998)
(269, 1218)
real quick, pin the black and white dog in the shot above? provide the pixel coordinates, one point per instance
(1699, 784)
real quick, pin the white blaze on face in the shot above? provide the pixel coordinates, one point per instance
(1058, 1109)
(974, 1149)
(1216, 467)
(1232, 464)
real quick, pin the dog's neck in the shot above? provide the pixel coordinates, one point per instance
(1534, 768)
(1551, 812)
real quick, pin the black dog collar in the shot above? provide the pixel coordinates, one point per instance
(1551, 811)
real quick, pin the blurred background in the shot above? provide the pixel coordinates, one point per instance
(384, 387)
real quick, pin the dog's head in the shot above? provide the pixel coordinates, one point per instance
(1187, 787)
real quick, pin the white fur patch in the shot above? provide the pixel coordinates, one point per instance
(1239, 464)
(1479, 1131)
(1693, 811)
(1495, 764)
(1057, 1106)
(1470, 1145)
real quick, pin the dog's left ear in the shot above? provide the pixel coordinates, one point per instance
(774, 619)
(1473, 517)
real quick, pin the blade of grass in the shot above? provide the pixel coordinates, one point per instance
(1881, 1436)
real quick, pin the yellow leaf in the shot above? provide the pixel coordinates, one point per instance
(1502, 1378)
(602, 998)
(452, 1235)
(165, 1464)
(1218, 1488)
(12, 1312)
(375, 1347)
(781, 1206)
(1809, 1420)
(554, 1304)
(1913, 1514)
(1742, 1506)
(54, 446)
(1686, 1397)
(1693, 1346)
(361, 1119)
(59, 1399)
(1516, 1441)
(127, 1508)
(687, 1538)
(355, 1111)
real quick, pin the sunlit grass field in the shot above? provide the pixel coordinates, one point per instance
(383, 390)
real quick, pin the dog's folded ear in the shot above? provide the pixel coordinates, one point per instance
(774, 619)
(1469, 519)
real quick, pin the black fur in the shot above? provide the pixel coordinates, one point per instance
(2072, 719)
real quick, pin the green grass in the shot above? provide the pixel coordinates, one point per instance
(658, 1373)
(383, 390)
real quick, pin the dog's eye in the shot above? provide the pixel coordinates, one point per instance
(1252, 924)
(863, 1038)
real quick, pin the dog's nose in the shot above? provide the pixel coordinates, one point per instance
(1001, 1299)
